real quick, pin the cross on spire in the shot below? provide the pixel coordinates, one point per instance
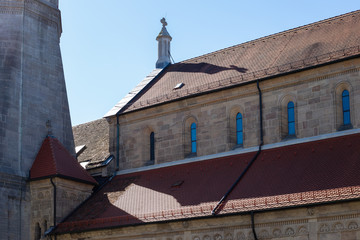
(163, 21)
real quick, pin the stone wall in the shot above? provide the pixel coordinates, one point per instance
(32, 94)
(69, 194)
(14, 207)
(33, 87)
(316, 94)
(339, 221)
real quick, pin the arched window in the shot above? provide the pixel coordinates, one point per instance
(291, 119)
(193, 137)
(346, 107)
(152, 146)
(37, 231)
(239, 129)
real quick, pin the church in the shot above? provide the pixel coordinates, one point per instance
(256, 141)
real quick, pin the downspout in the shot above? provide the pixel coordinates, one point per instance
(51, 180)
(117, 142)
(216, 208)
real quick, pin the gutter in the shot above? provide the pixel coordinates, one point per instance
(210, 216)
(51, 231)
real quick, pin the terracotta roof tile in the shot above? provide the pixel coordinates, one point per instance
(54, 160)
(95, 136)
(307, 46)
(295, 175)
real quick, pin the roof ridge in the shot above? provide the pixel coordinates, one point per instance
(251, 75)
(53, 162)
(291, 30)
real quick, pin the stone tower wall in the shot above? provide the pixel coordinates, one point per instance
(32, 93)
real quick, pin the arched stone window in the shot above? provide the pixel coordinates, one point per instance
(239, 130)
(343, 106)
(37, 232)
(148, 146)
(291, 118)
(193, 138)
(190, 137)
(288, 123)
(152, 147)
(346, 107)
(236, 129)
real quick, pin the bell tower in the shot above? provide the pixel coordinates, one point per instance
(164, 40)
(33, 100)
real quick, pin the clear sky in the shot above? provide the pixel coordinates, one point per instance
(109, 46)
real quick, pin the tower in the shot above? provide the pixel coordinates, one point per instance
(33, 101)
(164, 40)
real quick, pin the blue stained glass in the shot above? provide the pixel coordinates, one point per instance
(239, 129)
(291, 119)
(346, 107)
(193, 137)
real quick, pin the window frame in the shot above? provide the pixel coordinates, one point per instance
(152, 146)
(291, 119)
(345, 102)
(193, 140)
(239, 129)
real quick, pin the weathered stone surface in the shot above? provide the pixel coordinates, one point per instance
(316, 94)
(32, 93)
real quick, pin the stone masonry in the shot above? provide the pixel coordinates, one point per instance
(33, 101)
(326, 222)
(316, 94)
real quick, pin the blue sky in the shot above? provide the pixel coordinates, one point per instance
(108, 46)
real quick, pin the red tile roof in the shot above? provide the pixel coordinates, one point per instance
(54, 160)
(95, 136)
(295, 175)
(296, 49)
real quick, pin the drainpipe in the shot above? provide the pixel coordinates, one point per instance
(216, 208)
(261, 116)
(117, 142)
(54, 224)
(253, 225)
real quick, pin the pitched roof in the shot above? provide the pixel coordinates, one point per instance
(285, 52)
(294, 175)
(95, 136)
(54, 160)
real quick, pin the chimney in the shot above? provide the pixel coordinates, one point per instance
(164, 39)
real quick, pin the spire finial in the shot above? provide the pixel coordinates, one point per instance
(49, 127)
(164, 39)
(163, 21)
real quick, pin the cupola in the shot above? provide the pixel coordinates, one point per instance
(164, 39)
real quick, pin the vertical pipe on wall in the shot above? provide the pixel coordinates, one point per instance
(54, 196)
(117, 142)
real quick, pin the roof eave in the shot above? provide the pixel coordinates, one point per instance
(212, 216)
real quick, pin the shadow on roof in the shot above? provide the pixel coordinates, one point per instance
(203, 68)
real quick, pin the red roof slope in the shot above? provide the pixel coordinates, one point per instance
(54, 160)
(299, 48)
(301, 174)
